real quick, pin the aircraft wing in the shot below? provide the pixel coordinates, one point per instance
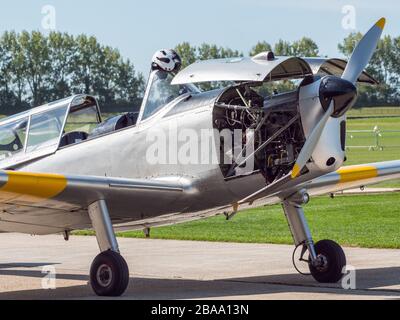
(345, 178)
(40, 203)
(354, 177)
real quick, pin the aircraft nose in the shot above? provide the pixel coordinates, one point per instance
(342, 92)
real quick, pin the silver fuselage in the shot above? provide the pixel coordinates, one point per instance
(123, 154)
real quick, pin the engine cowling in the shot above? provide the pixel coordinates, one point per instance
(315, 97)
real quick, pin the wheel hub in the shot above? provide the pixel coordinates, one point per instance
(104, 275)
(321, 264)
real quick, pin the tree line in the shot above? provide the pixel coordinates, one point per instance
(37, 68)
(384, 67)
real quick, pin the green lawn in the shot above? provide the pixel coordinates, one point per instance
(361, 221)
(389, 140)
(374, 112)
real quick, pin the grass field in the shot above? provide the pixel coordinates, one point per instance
(390, 141)
(374, 112)
(350, 220)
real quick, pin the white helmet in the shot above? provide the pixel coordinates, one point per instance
(166, 60)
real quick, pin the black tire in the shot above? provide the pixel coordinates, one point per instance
(335, 259)
(109, 274)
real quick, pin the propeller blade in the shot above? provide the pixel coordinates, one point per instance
(363, 52)
(311, 142)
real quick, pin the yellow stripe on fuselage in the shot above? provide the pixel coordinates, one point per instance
(32, 186)
(355, 173)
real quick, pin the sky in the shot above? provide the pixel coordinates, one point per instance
(139, 28)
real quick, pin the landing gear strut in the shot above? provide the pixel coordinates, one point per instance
(109, 273)
(326, 258)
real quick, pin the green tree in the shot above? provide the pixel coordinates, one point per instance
(190, 54)
(129, 86)
(6, 75)
(187, 53)
(349, 43)
(84, 64)
(305, 47)
(283, 48)
(395, 66)
(35, 64)
(18, 73)
(207, 51)
(261, 46)
(381, 67)
(106, 69)
(229, 53)
(62, 52)
(35, 68)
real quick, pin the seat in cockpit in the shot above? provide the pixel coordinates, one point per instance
(72, 138)
(115, 123)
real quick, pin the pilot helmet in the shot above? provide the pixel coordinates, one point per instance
(167, 60)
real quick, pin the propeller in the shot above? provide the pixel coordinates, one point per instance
(311, 142)
(363, 52)
(337, 95)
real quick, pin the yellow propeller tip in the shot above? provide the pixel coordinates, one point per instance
(381, 23)
(296, 171)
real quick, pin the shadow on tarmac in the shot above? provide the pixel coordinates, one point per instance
(368, 283)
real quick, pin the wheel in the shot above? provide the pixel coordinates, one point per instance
(109, 274)
(333, 260)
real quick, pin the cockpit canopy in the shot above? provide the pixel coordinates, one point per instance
(160, 92)
(44, 129)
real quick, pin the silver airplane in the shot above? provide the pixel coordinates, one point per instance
(63, 168)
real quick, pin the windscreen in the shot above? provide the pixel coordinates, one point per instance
(163, 92)
(12, 138)
(45, 129)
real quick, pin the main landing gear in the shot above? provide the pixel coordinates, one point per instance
(326, 259)
(109, 273)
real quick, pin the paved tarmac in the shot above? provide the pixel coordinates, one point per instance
(163, 269)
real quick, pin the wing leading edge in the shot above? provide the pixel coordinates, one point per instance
(41, 203)
(345, 178)
(355, 176)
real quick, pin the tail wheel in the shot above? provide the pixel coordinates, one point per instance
(109, 274)
(332, 261)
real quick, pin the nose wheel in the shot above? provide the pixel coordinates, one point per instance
(328, 267)
(326, 258)
(109, 274)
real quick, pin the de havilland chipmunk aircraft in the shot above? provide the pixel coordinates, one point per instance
(63, 168)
